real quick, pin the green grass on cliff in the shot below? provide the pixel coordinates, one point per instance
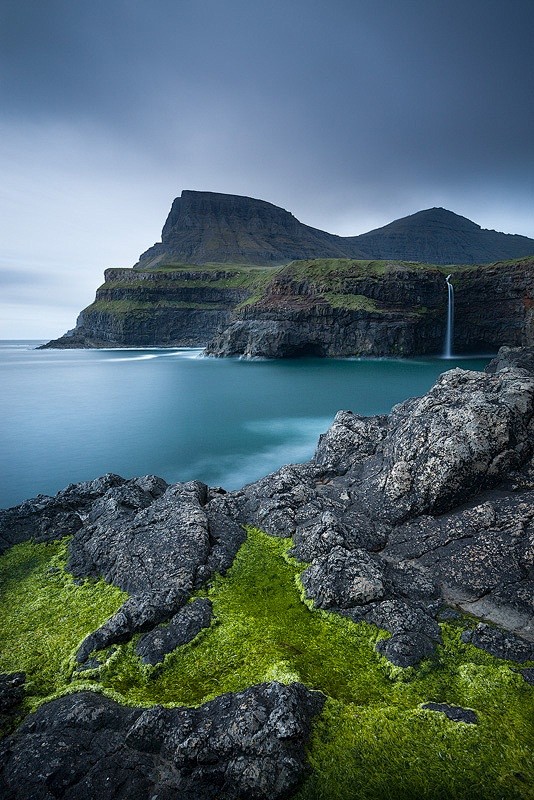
(372, 742)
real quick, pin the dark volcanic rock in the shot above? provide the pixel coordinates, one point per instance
(11, 696)
(249, 744)
(464, 435)
(454, 713)
(46, 518)
(395, 516)
(344, 578)
(181, 629)
(499, 644)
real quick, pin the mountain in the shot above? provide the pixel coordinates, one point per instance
(439, 236)
(204, 227)
(208, 227)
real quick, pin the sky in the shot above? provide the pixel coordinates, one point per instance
(348, 113)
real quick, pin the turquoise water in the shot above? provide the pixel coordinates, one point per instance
(71, 415)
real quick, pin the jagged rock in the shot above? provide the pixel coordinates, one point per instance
(406, 649)
(513, 358)
(348, 440)
(139, 613)
(344, 578)
(464, 435)
(11, 696)
(454, 713)
(46, 518)
(141, 550)
(181, 629)
(499, 644)
(374, 514)
(249, 744)
(528, 675)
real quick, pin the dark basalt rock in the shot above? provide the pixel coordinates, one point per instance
(454, 713)
(181, 629)
(249, 744)
(499, 644)
(139, 613)
(395, 516)
(46, 518)
(11, 696)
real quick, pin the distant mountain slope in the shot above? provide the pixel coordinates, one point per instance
(208, 227)
(439, 236)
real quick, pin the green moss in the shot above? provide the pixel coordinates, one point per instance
(44, 615)
(373, 739)
(353, 302)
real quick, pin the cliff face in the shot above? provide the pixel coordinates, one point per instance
(340, 308)
(322, 307)
(209, 227)
(179, 306)
(218, 276)
(345, 308)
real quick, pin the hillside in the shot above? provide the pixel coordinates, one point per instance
(205, 227)
(441, 237)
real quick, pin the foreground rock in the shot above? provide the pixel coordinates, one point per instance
(400, 520)
(249, 744)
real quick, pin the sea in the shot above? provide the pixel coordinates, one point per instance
(72, 415)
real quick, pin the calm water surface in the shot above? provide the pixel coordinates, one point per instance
(71, 415)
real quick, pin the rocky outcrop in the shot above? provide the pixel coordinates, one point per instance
(249, 744)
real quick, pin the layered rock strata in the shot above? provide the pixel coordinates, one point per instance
(402, 520)
(336, 307)
(202, 284)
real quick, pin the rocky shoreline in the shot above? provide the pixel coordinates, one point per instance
(403, 521)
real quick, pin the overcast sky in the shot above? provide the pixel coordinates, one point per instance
(348, 113)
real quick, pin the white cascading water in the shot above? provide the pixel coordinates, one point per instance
(447, 350)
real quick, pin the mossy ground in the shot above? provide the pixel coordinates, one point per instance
(373, 740)
(44, 615)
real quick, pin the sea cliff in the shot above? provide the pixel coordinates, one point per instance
(244, 277)
(322, 307)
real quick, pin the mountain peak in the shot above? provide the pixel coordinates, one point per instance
(205, 227)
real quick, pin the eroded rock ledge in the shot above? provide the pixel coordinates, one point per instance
(400, 519)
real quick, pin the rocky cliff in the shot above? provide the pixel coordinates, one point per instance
(207, 281)
(344, 308)
(322, 307)
(411, 543)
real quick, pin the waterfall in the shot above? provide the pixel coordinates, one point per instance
(449, 336)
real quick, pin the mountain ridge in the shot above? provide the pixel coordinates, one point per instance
(206, 227)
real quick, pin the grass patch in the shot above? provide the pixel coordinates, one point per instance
(45, 615)
(373, 740)
(352, 302)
